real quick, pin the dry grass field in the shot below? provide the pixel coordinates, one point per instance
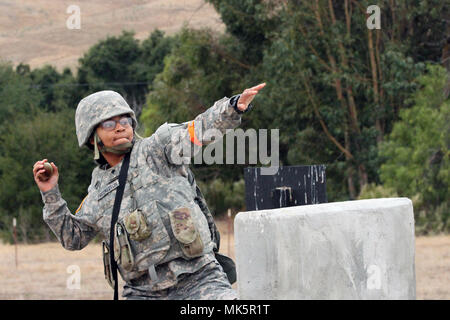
(44, 270)
(35, 31)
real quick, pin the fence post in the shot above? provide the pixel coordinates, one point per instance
(15, 240)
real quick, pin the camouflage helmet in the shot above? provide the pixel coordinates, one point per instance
(96, 108)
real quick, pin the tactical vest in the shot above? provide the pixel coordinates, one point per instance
(164, 134)
(227, 263)
(161, 219)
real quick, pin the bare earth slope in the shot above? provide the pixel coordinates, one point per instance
(35, 31)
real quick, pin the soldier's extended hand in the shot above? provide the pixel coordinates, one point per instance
(248, 95)
(45, 183)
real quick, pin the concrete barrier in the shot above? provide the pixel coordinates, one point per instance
(360, 249)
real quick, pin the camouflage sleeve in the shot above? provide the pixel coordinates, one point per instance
(74, 232)
(184, 140)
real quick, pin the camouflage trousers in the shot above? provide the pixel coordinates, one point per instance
(208, 283)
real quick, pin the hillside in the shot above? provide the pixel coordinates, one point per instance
(35, 32)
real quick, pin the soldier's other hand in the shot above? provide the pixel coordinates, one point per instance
(44, 181)
(248, 95)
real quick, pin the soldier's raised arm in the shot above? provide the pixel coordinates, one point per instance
(179, 140)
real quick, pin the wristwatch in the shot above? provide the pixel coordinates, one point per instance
(233, 103)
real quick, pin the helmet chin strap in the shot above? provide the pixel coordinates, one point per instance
(119, 149)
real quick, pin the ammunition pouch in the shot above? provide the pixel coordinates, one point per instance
(107, 264)
(136, 226)
(186, 232)
(122, 248)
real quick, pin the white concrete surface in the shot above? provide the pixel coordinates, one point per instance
(360, 249)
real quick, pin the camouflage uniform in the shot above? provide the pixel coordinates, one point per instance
(167, 252)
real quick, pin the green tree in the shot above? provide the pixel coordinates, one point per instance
(192, 79)
(44, 79)
(153, 51)
(58, 90)
(16, 95)
(222, 195)
(417, 156)
(331, 76)
(24, 141)
(251, 22)
(124, 65)
(202, 68)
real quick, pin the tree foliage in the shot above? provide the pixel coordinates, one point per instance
(38, 109)
(335, 87)
(416, 153)
(125, 65)
(16, 94)
(24, 141)
(202, 68)
(251, 22)
(360, 101)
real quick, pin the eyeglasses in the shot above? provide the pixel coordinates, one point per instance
(110, 125)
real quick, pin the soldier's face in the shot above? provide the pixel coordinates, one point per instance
(119, 135)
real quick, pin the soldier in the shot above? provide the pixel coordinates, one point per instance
(163, 245)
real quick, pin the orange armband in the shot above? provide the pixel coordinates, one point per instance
(81, 204)
(192, 134)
